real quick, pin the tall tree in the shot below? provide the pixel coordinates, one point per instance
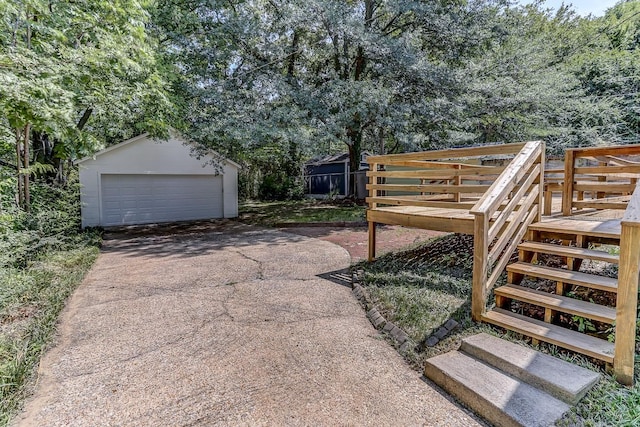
(322, 74)
(74, 76)
(608, 68)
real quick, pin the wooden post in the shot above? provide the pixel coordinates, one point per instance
(548, 200)
(373, 180)
(480, 267)
(372, 205)
(541, 183)
(627, 300)
(567, 191)
(372, 241)
(601, 178)
(457, 181)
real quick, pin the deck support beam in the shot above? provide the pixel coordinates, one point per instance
(372, 241)
(567, 191)
(480, 266)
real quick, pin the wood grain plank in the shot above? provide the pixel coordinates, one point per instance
(569, 251)
(427, 188)
(575, 341)
(608, 229)
(452, 153)
(566, 276)
(558, 303)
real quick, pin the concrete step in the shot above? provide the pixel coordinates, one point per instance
(561, 379)
(492, 394)
(568, 251)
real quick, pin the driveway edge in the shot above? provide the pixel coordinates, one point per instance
(400, 338)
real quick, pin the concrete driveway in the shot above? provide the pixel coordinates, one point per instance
(225, 326)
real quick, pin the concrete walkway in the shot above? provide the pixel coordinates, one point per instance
(225, 327)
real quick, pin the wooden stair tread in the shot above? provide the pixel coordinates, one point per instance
(564, 304)
(569, 251)
(606, 228)
(553, 334)
(565, 276)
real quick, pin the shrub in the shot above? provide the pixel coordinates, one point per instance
(52, 223)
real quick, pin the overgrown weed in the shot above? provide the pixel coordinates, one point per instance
(43, 258)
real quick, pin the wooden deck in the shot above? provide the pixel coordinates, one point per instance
(502, 207)
(430, 218)
(438, 219)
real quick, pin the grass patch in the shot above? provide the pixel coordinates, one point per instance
(420, 288)
(270, 213)
(607, 404)
(31, 299)
(416, 309)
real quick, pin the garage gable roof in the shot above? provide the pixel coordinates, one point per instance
(145, 136)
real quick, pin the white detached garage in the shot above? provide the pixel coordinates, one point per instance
(142, 181)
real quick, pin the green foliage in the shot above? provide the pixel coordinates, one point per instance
(30, 301)
(279, 186)
(53, 223)
(608, 69)
(83, 74)
(321, 75)
(43, 257)
(583, 324)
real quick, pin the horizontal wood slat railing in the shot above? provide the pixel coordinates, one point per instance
(513, 202)
(627, 298)
(442, 178)
(606, 183)
(498, 202)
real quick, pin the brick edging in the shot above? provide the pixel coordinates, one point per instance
(399, 337)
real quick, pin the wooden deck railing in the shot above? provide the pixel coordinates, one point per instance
(553, 183)
(518, 190)
(434, 179)
(607, 184)
(627, 297)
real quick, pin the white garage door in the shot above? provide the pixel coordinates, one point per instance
(143, 199)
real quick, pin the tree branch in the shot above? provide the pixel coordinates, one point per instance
(84, 119)
(8, 165)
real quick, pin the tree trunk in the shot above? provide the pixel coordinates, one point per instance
(18, 168)
(22, 166)
(354, 133)
(27, 193)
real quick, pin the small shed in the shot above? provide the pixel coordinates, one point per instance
(330, 174)
(143, 181)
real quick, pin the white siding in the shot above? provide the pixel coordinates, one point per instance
(143, 156)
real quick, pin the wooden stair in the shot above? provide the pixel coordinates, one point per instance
(547, 332)
(579, 234)
(566, 276)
